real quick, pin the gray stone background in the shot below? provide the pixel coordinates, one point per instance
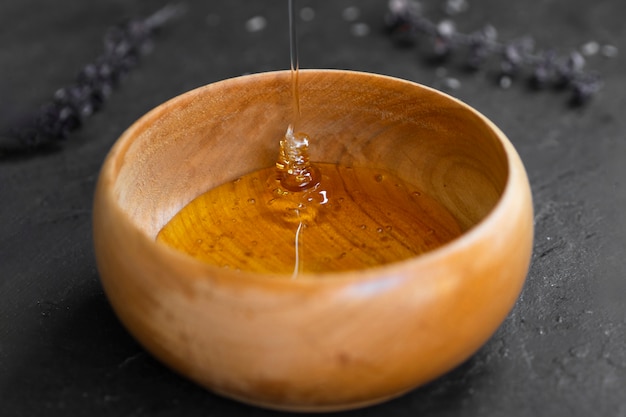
(561, 351)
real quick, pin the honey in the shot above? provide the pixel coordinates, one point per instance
(353, 218)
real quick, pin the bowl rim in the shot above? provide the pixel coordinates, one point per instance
(515, 173)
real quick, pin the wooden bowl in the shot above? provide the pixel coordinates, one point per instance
(321, 341)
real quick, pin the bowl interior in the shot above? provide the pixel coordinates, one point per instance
(224, 130)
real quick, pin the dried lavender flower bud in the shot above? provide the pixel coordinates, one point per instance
(441, 48)
(584, 88)
(544, 70)
(569, 69)
(512, 60)
(442, 44)
(480, 47)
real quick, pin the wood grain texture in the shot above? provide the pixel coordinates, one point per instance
(323, 341)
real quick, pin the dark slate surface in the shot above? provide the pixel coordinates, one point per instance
(561, 351)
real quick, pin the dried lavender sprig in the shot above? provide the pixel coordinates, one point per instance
(406, 22)
(71, 105)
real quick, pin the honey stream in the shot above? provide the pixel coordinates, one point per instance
(309, 217)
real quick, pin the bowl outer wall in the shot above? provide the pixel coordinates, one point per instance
(315, 344)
